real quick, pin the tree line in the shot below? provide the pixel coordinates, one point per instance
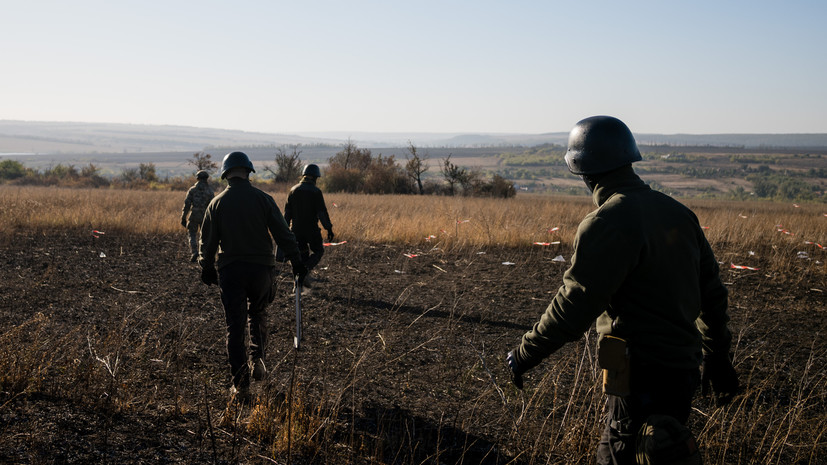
(358, 170)
(352, 169)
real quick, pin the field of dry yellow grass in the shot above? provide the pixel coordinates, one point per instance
(774, 232)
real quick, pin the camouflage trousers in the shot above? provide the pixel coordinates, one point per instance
(193, 229)
(655, 390)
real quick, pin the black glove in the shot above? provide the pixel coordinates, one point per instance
(514, 369)
(209, 275)
(718, 377)
(184, 222)
(330, 235)
(299, 269)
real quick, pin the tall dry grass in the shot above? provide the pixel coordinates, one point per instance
(407, 218)
(757, 234)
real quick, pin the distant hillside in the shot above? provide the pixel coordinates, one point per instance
(47, 137)
(100, 138)
(815, 141)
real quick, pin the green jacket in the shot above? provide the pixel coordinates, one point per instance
(305, 207)
(240, 225)
(644, 270)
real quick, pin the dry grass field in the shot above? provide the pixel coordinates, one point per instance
(111, 350)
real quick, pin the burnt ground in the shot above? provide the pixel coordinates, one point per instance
(113, 352)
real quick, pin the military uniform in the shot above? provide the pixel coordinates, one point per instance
(239, 226)
(198, 197)
(643, 269)
(304, 209)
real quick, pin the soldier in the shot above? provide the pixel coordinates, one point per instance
(644, 270)
(240, 224)
(198, 197)
(304, 209)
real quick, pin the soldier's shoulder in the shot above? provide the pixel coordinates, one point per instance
(261, 193)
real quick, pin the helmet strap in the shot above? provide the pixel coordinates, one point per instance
(590, 180)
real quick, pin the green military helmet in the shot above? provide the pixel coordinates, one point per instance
(236, 160)
(664, 440)
(599, 144)
(312, 170)
(201, 174)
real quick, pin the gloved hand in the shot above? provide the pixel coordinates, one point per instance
(299, 269)
(209, 275)
(330, 235)
(718, 377)
(183, 222)
(514, 369)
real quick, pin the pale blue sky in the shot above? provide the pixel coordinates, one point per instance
(425, 66)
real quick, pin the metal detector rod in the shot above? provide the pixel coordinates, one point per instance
(297, 339)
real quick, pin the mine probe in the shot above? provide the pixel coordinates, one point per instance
(297, 340)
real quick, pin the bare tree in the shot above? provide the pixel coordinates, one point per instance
(351, 157)
(288, 165)
(416, 166)
(453, 174)
(203, 161)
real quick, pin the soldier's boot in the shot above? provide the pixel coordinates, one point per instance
(241, 394)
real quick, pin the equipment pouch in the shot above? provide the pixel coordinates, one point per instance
(613, 358)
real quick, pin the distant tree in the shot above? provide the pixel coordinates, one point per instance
(416, 166)
(346, 171)
(90, 174)
(203, 161)
(11, 169)
(351, 157)
(453, 174)
(130, 175)
(739, 193)
(288, 165)
(146, 171)
(89, 170)
(473, 182)
(338, 179)
(61, 171)
(501, 187)
(385, 176)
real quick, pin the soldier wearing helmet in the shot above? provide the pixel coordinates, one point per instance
(643, 269)
(239, 226)
(195, 204)
(304, 210)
